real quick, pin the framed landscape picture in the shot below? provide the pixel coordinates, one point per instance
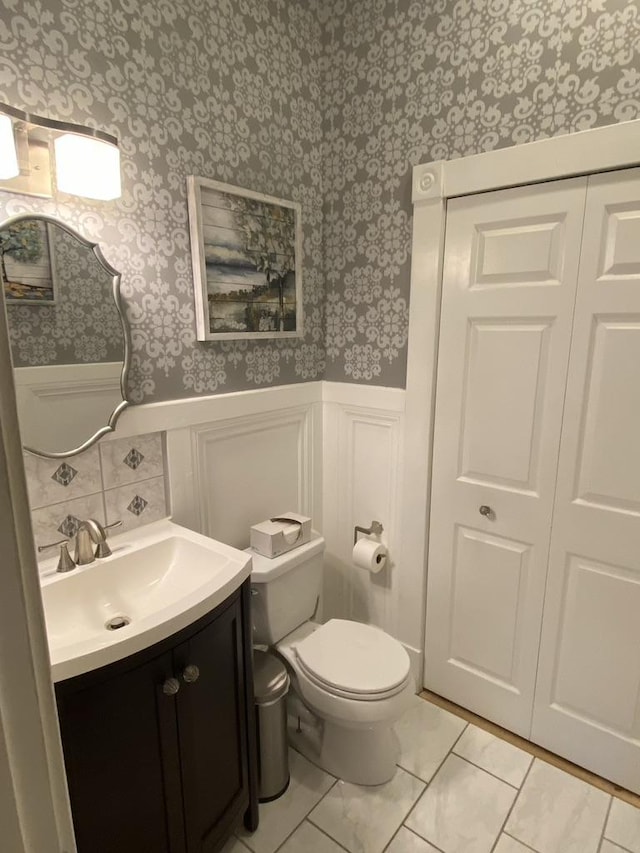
(246, 250)
(27, 267)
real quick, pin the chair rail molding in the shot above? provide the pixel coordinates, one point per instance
(601, 149)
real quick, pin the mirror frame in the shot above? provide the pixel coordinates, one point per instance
(116, 278)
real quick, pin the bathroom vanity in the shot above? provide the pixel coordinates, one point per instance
(151, 656)
(157, 746)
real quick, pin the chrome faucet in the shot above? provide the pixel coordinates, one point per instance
(89, 533)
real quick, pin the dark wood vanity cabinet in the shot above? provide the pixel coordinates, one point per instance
(156, 771)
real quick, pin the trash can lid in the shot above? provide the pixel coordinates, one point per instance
(270, 677)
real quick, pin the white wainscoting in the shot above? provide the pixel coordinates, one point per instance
(250, 468)
(361, 449)
(363, 441)
(255, 455)
(333, 451)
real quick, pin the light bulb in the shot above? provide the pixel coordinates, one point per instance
(87, 167)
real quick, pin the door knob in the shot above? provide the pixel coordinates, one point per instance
(191, 673)
(171, 687)
(486, 511)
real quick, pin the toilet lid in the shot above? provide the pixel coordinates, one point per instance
(355, 658)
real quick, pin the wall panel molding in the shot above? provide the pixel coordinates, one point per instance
(268, 456)
(362, 482)
(336, 454)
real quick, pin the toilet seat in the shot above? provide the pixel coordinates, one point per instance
(353, 660)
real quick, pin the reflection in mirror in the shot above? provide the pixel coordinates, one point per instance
(68, 339)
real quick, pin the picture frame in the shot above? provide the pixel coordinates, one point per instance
(246, 251)
(27, 264)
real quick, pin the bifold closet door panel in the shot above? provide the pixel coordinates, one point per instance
(588, 696)
(510, 272)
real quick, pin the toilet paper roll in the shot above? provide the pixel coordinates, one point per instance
(370, 555)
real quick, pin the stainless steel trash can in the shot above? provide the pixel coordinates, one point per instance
(271, 685)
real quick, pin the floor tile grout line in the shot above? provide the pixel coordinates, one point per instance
(327, 835)
(427, 784)
(392, 839)
(604, 837)
(324, 832)
(615, 844)
(508, 815)
(517, 840)
(412, 809)
(413, 832)
(307, 813)
(414, 804)
(328, 791)
(415, 775)
(604, 825)
(454, 744)
(305, 817)
(462, 758)
(484, 770)
(400, 825)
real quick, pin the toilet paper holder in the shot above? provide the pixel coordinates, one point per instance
(376, 528)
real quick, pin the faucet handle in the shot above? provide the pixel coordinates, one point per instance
(42, 548)
(103, 549)
(65, 561)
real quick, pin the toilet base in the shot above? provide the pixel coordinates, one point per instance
(363, 756)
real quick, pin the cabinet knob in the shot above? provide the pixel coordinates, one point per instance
(486, 511)
(191, 673)
(171, 687)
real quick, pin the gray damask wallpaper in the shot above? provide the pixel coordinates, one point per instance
(83, 326)
(409, 81)
(328, 102)
(228, 90)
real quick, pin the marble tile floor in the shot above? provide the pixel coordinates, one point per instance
(457, 789)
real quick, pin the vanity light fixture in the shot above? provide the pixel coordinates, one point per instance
(8, 154)
(87, 161)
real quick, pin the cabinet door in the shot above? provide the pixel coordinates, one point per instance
(588, 693)
(509, 280)
(212, 731)
(121, 757)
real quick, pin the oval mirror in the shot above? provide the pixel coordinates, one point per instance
(68, 336)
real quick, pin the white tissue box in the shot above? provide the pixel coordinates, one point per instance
(280, 534)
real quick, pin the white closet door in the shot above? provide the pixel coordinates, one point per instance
(510, 271)
(588, 696)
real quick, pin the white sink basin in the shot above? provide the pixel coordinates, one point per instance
(160, 578)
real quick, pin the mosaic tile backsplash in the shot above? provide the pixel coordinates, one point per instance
(120, 480)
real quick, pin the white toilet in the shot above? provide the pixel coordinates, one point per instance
(350, 681)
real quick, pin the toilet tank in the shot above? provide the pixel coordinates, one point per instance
(285, 590)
